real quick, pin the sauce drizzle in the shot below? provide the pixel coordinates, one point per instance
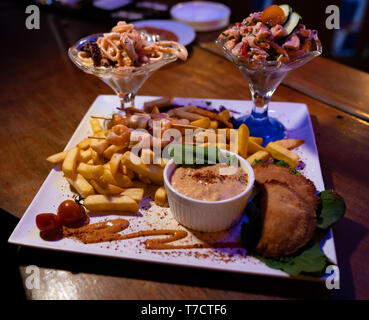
(109, 231)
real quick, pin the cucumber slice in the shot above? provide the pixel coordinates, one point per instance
(292, 23)
(287, 11)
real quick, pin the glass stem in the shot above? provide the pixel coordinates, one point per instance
(127, 100)
(260, 107)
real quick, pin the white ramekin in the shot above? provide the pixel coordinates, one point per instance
(207, 216)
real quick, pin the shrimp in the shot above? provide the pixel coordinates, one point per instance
(261, 31)
(138, 121)
(237, 49)
(119, 135)
(231, 33)
(119, 119)
(122, 26)
(293, 42)
(230, 44)
(172, 47)
(259, 54)
(278, 31)
(252, 19)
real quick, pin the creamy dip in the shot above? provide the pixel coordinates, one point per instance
(207, 184)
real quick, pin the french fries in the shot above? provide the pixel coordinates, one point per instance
(127, 172)
(186, 115)
(214, 124)
(84, 144)
(70, 162)
(134, 193)
(89, 171)
(106, 188)
(254, 147)
(139, 184)
(95, 126)
(117, 179)
(153, 172)
(202, 123)
(257, 140)
(147, 155)
(290, 143)
(100, 145)
(160, 196)
(204, 113)
(258, 156)
(280, 153)
(243, 140)
(115, 163)
(144, 179)
(57, 157)
(82, 186)
(95, 157)
(155, 110)
(101, 202)
(86, 155)
(109, 151)
(224, 115)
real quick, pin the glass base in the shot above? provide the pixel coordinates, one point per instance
(269, 129)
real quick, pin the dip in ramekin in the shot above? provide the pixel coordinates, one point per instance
(208, 215)
(206, 182)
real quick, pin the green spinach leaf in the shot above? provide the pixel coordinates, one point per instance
(331, 209)
(309, 260)
(195, 155)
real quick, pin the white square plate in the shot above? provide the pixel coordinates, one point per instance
(55, 189)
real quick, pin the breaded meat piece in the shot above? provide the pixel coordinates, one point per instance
(288, 220)
(305, 188)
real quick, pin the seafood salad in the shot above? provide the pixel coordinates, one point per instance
(274, 34)
(126, 48)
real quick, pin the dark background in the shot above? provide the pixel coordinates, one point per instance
(353, 50)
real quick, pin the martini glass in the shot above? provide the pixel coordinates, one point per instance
(263, 78)
(124, 82)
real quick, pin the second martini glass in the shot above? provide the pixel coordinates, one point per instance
(263, 79)
(124, 82)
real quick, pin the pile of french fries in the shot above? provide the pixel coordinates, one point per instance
(105, 175)
(251, 148)
(111, 178)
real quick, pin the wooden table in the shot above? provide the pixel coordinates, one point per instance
(43, 98)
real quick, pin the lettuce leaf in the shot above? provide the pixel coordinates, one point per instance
(184, 154)
(309, 260)
(331, 209)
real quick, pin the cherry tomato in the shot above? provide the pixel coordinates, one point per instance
(47, 222)
(71, 214)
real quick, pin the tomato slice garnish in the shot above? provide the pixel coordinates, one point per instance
(272, 15)
(71, 214)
